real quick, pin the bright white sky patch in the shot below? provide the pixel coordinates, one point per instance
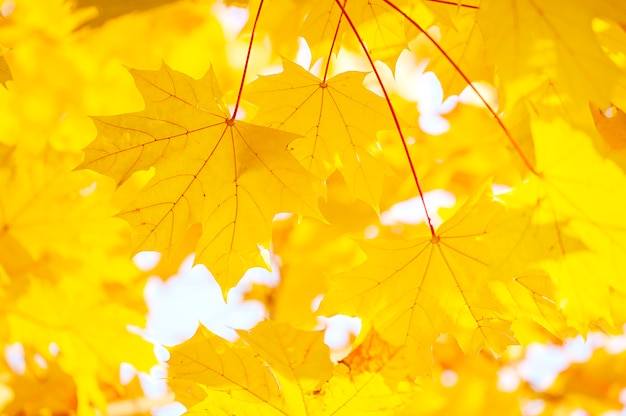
(411, 211)
(192, 296)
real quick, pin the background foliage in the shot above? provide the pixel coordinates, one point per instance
(143, 125)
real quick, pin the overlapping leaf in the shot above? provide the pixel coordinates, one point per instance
(594, 386)
(573, 208)
(282, 371)
(533, 43)
(463, 385)
(339, 119)
(383, 31)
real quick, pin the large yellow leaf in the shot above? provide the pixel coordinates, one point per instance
(230, 176)
(338, 119)
(411, 291)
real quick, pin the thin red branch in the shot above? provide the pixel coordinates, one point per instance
(332, 45)
(393, 114)
(245, 67)
(452, 3)
(447, 57)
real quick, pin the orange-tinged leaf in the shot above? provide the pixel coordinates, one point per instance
(374, 355)
(594, 386)
(612, 128)
(5, 71)
(610, 139)
(230, 176)
(463, 385)
(41, 389)
(107, 10)
(338, 118)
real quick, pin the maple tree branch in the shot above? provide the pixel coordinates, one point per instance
(393, 114)
(469, 83)
(332, 45)
(245, 67)
(452, 3)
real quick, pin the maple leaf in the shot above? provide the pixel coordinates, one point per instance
(534, 43)
(412, 291)
(593, 385)
(310, 252)
(5, 71)
(384, 32)
(460, 38)
(566, 196)
(271, 375)
(32, 390)
(541, 260)
(463, 384)
(230, 176)
(339, 119)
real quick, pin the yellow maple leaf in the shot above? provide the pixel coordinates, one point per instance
(282, 371)
(232, 371)
(339, 119)
(230, 176)
(412, 291)
(577, 216)
(299, 359)
(534, 43)
(458, 34)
